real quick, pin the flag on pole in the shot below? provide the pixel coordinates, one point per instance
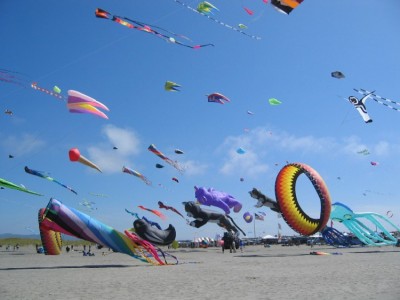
(259, 217)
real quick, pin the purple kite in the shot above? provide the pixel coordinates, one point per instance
(211, 197)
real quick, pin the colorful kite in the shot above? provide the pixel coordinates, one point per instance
(46, 91)
(10, 185)
(81, 103)
(137, 174)
(133, 214)
(286, 6)
(217, 98)
(374, 163)
(248, 217)
(152, 148)
(156, 212)
(75, 155)
(206, 9)
(42, 175)
(175, 179)
(274, 101)
(171, 86)
(132, 24)
(162, 205)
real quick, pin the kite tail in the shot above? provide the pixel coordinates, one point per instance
(236, 224)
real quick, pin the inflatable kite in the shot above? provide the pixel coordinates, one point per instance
(285, 6)
(211, 197)
(154, 235)
(10, 185)
(353, 221)
(206, 9)
(285, 192)
(137, 174)
(162, 205)
(51, 240)
(171, 86)
(248, 217)
(152, 148)
(178, 151)
(132, 24)
(81, 103)
(359, 104)
(75, 155)
(335, 238)
(42, 175)
(203, 216)
(264, 200)
(217, 98)
(58, 217)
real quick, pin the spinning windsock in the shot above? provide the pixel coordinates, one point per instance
(75, 155)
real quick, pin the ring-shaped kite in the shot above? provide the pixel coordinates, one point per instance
(285, 192)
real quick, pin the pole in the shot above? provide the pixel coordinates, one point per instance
(255, 228)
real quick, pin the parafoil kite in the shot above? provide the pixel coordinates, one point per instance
(159, 166)
(58, 217)
(8, 112)
(212, 197)
(177, 151)
(171, 86)
(274, 101)
(81, 103)
(156, 212)
(203, 216)
(56, 89)
(248, 217)
(217, 98)
(369, 236)
(154, 235)
(206, 8)
(162, 205)
(141, 26)
(75, 155)
(42, 175)
(240, 150)
(137, 174)
(286, 6)
(337, 74)
(175, 179)
(10, 185)
(152, 148)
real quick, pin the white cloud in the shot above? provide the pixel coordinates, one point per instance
(23, 144)
(193, 168)
(110, 160)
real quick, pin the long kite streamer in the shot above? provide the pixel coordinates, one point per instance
(152, 148)
(137, 174)
(42, 175)
(200, 12)
(10, 185)
(381, 100)
(138, 25)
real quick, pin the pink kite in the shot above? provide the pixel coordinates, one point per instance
(81, 103)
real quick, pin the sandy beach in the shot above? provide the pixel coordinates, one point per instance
(257, 273)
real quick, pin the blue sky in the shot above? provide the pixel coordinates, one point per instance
(62, 43)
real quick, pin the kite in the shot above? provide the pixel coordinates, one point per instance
(51, 240)
(206, 9)
(10, 156)
(337, 74)
(132, 213)
(273, 101)
(378, 99)
(156, 212)
(162, 205)
(171, 86)
(56, 89)
(211, 197)
(159, 166)
(389, 214)
(264, 200)
(75, 155)
(285, 6)
(240, 151)
(374, 163)
(152, 148)
(242, 26)
(137, 174)
(59, 218)
(81, 103)
(8, 112)
(154, 235)
(177, 151)
(241, 179)
(250, 113)
(88, 204)
(217, 98)
(369, 236)
(335, 238)
(248, 217)
(42, 175)
(115, 148)
(249, 11)
(132, 24)
(359, 104)
(203, 216)
(8, 76)
(175, 179)
(10, 185)
(363, 152)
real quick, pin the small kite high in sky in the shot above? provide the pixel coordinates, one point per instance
(162, 205)
(43, 175)
(137, 174)
(171, 86)
(217, 98)
(132, 24)
(152, 148)
(274, 101)
(337, 74)
(75, 155)
(10, 185)
(285, 6)
(81, 103)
